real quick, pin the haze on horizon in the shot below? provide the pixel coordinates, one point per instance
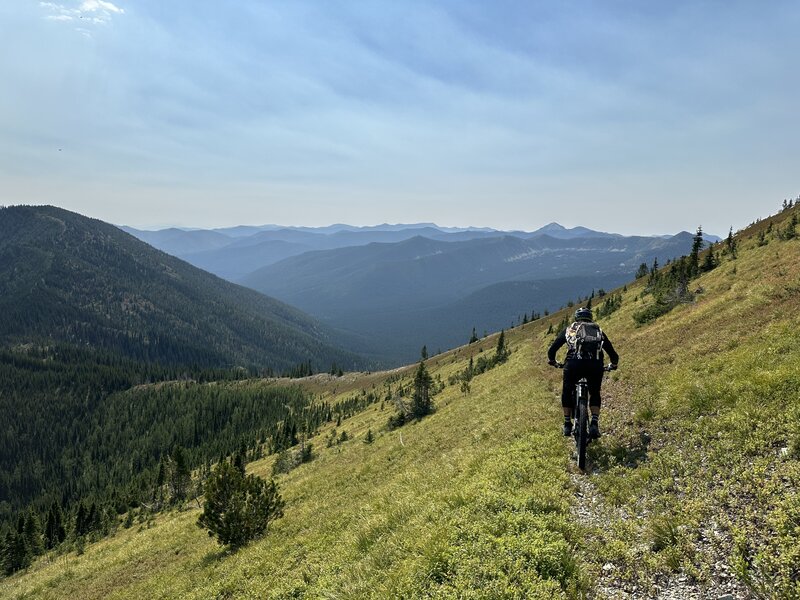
(622, 117)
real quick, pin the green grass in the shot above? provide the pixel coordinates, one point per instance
(700, 463)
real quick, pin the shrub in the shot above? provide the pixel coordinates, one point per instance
(238, 508)
(652, 311)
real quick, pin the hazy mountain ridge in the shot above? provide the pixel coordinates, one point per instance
(401, 294)
(354, 278)
(200, 246)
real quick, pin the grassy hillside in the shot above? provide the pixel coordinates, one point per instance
(692, 491)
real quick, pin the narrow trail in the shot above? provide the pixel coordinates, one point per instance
(592, 512)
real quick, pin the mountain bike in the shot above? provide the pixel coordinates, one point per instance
(580, 412)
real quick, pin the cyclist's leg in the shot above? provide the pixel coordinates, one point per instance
(568, 389)
(594, 375)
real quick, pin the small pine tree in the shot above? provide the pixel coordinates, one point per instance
(501, 352)
(54, 530)
(424, 353)
(791, 229)
(369, 438)
(16, 555)
(653, 279)
(81, 528)
(642, 271)
(238, 508)
(240, 460)
(33, 534)
(694, 254)
(474, 337)
(710, 261)
(181, 475)
(730, 243)
(421, 402)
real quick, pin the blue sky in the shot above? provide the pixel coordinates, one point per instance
(623, 116)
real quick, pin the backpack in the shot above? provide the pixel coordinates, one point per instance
(585, 340)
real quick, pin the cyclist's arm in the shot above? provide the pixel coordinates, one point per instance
(560, 340)
(609, 348)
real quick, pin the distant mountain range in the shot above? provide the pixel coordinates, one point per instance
(69, 279)
(235, 252)
(400, 286)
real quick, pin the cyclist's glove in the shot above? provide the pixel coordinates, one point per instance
(552, 363)
(612, 367)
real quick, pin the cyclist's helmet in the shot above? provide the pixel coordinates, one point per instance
(583, 314)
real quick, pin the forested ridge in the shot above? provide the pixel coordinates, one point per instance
(87, 314)
(68, 278)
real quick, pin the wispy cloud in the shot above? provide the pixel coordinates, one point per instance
(509, 113)
(87, 13)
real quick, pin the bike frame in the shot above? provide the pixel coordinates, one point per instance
(580, 412)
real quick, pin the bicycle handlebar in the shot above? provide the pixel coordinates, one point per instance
(607, 368)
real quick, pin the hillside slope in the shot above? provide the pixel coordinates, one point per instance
(692, 491)
(67, 278)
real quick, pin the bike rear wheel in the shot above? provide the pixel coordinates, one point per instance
(582, 437)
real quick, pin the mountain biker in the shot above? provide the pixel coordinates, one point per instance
(579, 363)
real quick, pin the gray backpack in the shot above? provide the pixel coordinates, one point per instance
(585, 340)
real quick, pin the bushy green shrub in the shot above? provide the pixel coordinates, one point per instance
(238, 508)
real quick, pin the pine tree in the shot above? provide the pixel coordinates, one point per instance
(240, 460)
(238, 508)
(710, 261)
(54, 532)
(80, 521)
(501, 352)
(791, 228)
(421, 403)
(653, 273)
(424, 353)
(33, 534)
(369, 438)
(16, 555)
(474, 337)
(730, 243)
(694, 254)
(181, 475)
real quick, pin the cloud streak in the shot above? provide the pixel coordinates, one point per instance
(87, 13)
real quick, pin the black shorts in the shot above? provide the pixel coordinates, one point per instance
(574, 369)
